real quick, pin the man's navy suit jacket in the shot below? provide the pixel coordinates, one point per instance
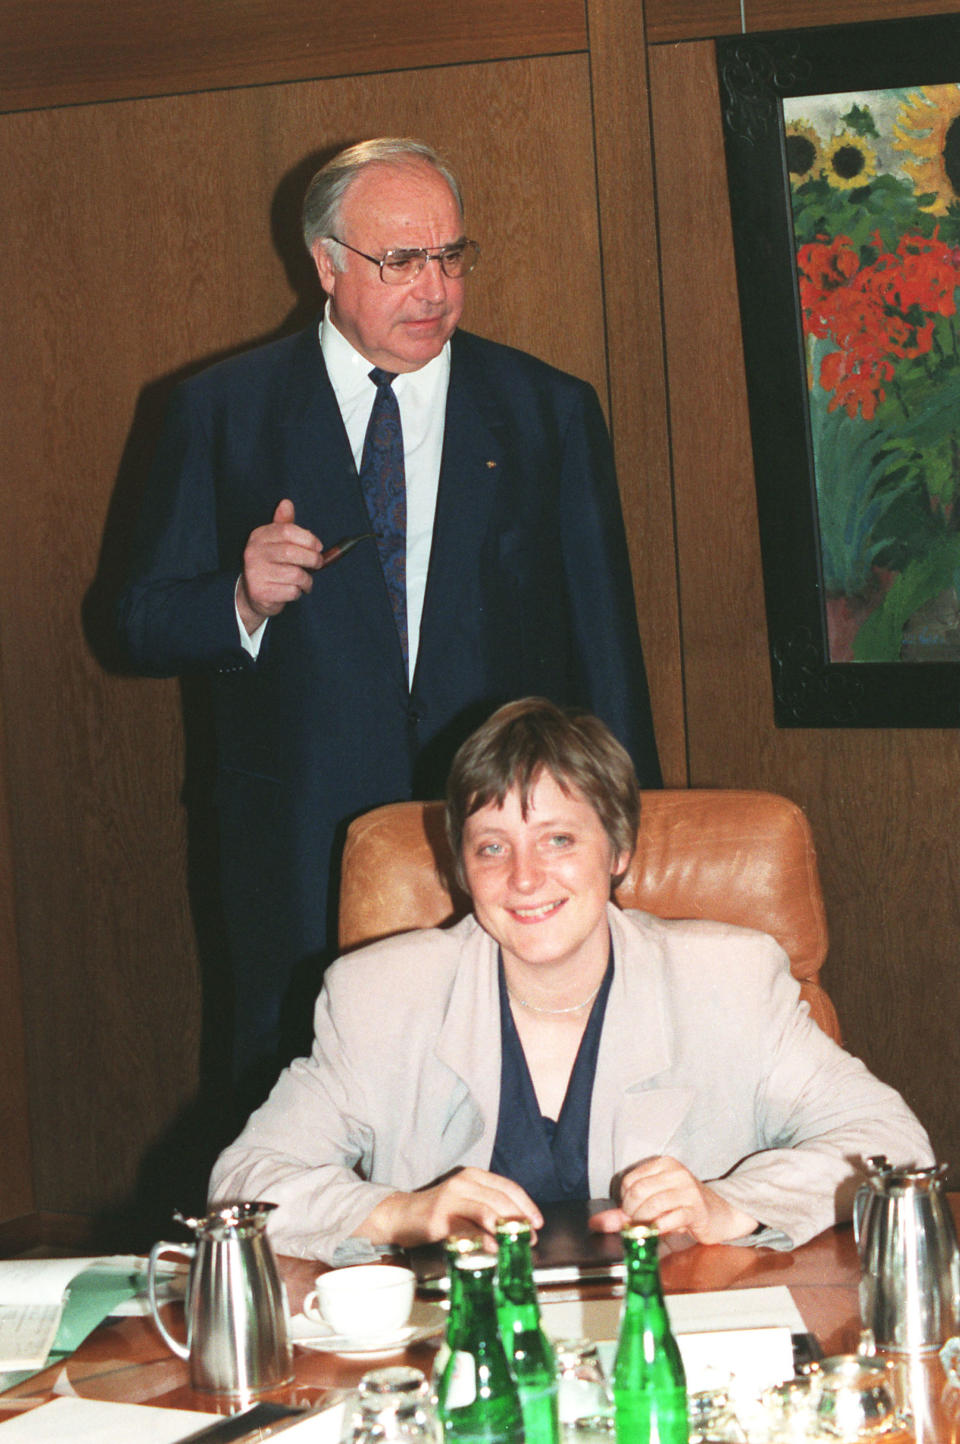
(528, 592)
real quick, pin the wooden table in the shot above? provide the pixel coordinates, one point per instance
(127, 1360)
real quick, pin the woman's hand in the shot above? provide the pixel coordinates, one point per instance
(662, 1193)
(470, 1198)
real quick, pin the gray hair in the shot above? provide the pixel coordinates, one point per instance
(325, 193)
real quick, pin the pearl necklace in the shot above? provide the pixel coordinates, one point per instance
(555, 1012)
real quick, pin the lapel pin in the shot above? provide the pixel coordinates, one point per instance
(491, 465)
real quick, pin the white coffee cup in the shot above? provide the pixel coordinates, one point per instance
(363, 1301)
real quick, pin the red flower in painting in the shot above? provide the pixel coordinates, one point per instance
(823, 269)
(877, 314)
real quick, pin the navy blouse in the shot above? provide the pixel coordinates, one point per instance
(547, 1157)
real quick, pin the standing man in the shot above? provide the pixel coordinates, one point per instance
(492, 565)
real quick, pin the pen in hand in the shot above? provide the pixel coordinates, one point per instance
(329, 555)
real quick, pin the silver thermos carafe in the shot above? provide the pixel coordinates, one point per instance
(910, 1262)
(238, 1339)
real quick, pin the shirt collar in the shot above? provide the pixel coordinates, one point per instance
(349, 371)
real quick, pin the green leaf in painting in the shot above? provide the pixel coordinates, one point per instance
(881, 636)
(860, 121)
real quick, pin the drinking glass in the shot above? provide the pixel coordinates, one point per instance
(584, 1397)
(392, 1404)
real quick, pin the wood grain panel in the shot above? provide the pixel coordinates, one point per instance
(668, 20)
(634, 338)
(65, 52)
(140, 239)
(16, 1175)
(671, 20)
(719, 578)
(786, 14)
(884, 805)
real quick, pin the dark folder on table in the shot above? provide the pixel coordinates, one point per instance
(566, 1251)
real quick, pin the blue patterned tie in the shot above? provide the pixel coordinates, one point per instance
(385, 493)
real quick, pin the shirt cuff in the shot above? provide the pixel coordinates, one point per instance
(249, 641)
(355, 1251)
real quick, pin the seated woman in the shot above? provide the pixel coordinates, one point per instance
(550, 1046)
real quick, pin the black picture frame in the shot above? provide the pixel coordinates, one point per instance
(757, 73)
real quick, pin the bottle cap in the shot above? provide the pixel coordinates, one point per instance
(476, 1262)
(513, 1227)
(460, 1243)
(639, 1231)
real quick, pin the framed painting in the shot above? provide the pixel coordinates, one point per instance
(843, 163)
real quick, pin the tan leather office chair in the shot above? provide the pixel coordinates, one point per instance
(737, 857)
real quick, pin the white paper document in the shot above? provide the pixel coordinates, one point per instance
(31, 1306)
(32, 1296)
(740, 1334)
(89, 1421)
(92, 1421)
(27, 1332)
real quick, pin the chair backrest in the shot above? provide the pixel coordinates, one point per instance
(737, 857)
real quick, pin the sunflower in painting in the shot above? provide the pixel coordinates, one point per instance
(849, 161)
(803, 151)
(928, 128)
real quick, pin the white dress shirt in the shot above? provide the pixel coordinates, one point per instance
(422, 398)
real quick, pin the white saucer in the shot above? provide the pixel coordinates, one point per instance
(426, 1322)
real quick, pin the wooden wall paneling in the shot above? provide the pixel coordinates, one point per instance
(16, 1177)
(884, 805)
(721, 596)
(68, 52)
(669, 20)
(142, 238)
(106, 289)
(635, 354)
(787, 14)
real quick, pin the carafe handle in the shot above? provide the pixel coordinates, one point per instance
(878, 1166)
(861, 1198)
(188, 1251)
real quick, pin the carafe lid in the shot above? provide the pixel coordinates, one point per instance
(887, 1179)
(235, 1218)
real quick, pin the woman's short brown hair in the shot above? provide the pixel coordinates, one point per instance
(522, 740)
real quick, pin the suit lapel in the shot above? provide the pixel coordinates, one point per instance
(637, 1045)
(319, 464)
(471, 474)
(326, 494)
(469, 1045)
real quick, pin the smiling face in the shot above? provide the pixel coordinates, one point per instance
(540, 884)
(387, 207)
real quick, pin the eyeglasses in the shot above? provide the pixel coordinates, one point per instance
(401, 266)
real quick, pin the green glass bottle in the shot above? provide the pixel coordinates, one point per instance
(477, 1399)
(456, 1246)
(530, 1354)
(649, 1385)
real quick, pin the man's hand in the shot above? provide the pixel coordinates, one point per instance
(662, 1193)
(278, 565)
(469, 1197)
